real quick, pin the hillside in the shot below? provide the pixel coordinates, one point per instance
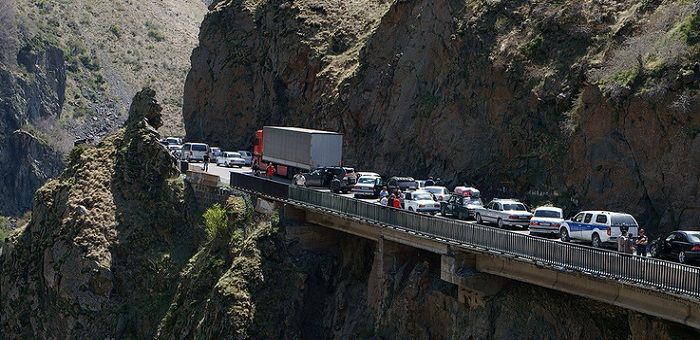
(587, 104)
(68, 70)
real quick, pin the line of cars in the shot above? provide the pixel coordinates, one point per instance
(196, 152)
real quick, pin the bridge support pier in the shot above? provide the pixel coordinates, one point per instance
(473, 287)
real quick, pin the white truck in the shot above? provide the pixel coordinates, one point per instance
(293, 149)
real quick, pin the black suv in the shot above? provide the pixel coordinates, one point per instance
(337, 178)
(402, 183)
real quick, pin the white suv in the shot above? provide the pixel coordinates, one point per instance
(598, 227)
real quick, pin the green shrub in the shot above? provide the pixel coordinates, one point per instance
(156, 34)
(116, 30)
(533, 49)
(215, 221)
(689, 29)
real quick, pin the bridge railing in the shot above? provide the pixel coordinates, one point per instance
(673, 277)
(259, 184)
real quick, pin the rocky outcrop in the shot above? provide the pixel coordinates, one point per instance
(534, 99)
(100, 255)
(29, 97)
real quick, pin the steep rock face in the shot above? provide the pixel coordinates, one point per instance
(536, 99)
(31, 96)
(107, 238)
(254, 283)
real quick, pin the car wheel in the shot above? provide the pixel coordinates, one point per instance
(460, 215)
(478, 219)
(564, 235)
(500, 223)
(410, 209)
(595, 240)
(681, 257)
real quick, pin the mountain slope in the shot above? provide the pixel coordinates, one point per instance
(68, 70)
(586, 104)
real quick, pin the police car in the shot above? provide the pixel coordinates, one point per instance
(598, 227)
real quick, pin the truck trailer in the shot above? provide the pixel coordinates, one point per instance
(291, 149)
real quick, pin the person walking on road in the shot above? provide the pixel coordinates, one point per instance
(429, 182)
(205, 159)
(270, 171)
(641, 243)
(622, 242)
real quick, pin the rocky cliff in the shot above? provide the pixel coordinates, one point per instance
(68, 70)
(590, 104)
(107, 237)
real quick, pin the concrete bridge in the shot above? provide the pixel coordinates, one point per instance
(469, 254)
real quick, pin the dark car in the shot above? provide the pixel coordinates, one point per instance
(323, 177)
(681, 246)
(401, 183)
(460, 206)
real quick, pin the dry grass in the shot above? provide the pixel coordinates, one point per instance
(113, 48)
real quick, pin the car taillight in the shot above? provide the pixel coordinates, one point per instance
(695, 248)
(437, 205)
(555, 225)
(421, 206)
(513, 217)
(534, 223)
(609, 231)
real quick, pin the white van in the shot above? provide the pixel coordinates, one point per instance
(194, 152)
(598, 227)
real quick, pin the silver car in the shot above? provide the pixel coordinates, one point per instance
(504, 212)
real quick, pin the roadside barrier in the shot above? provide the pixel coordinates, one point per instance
(665, 275)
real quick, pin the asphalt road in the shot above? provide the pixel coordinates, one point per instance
(224, 175)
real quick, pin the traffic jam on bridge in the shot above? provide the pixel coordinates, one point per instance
(313, 158)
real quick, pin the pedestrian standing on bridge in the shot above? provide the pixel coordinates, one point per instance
(390, 201)
(641, 243)
(397, 203)
(270, 171)
(622, 242)
(299, 179)
(384, 192)
(429, 182)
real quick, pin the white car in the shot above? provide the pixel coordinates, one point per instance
(546, 220)
(598, 227)
(247, 156)
(440, 193)
(230, 159)
(368, 186)
(421, 201)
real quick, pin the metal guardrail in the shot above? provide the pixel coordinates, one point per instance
(665, 275)
(259, 184)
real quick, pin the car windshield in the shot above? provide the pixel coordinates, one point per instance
(693, 237)
(233, 154)
(366, 180)
(422, 196)
(514, 206)
(547, 213)
(199, 147)
(622, 221)
(410, 185)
